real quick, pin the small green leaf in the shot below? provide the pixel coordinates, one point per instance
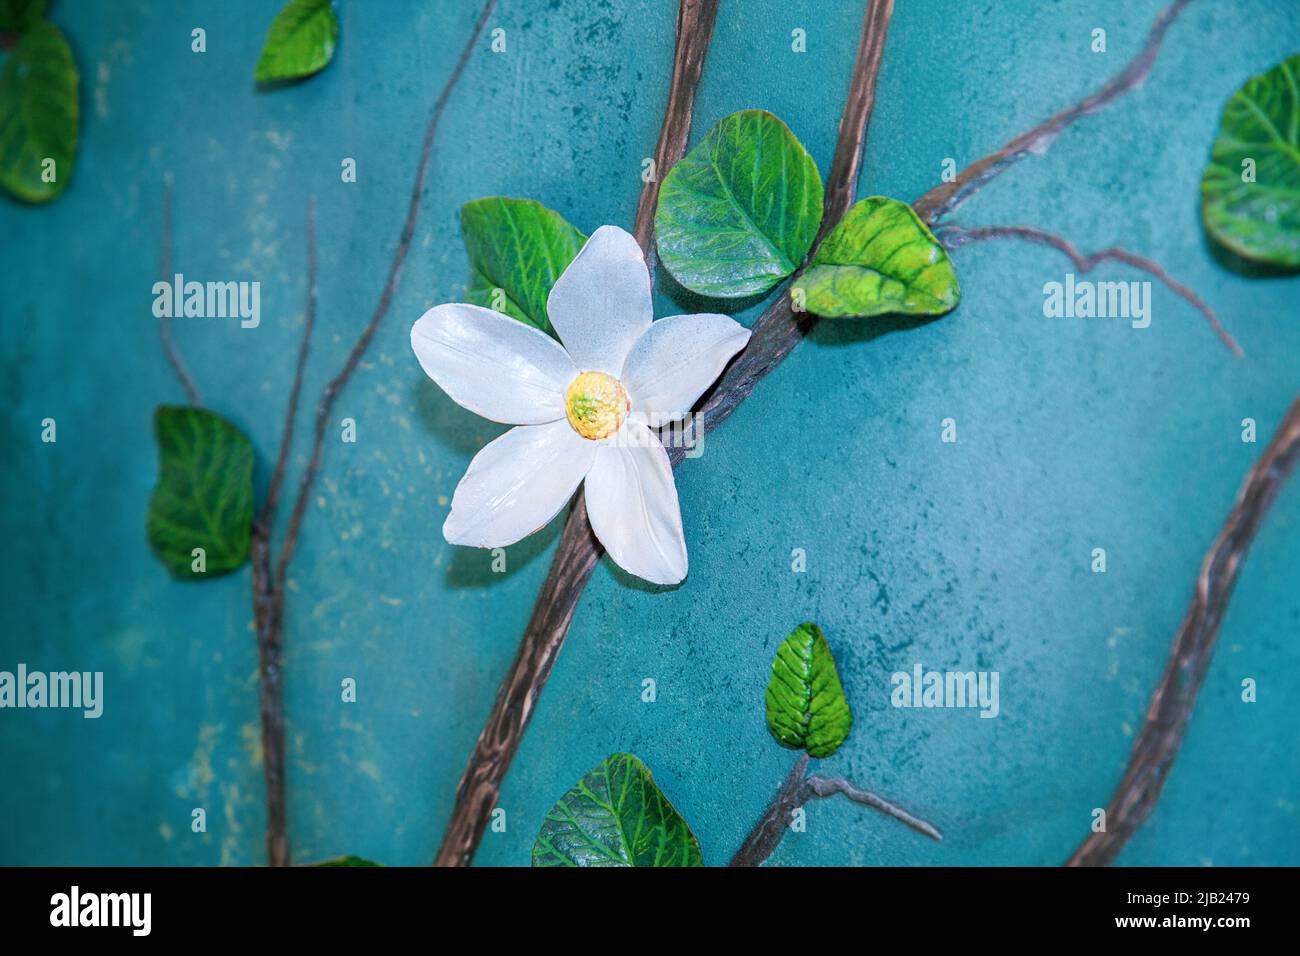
(880, 258)
(616, 816)
(517, 249)
(739, 212)
(300, 42)
(17, 16)
(806, 706)
(1259, 140)
(38, 115)
(346, 861)
(204, 495)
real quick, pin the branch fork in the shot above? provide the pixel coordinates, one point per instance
(798, 789)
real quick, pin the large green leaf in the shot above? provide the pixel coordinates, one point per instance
(204, 496)
(38, 115)
(880, 258)
(806, 707)
(300, 42)
(517, 249)
(1260, 128)
(19, 15)
(739, 212)
(616, 816)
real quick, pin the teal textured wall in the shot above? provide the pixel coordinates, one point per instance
(1074, 434)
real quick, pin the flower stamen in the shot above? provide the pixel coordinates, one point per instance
(596, 405)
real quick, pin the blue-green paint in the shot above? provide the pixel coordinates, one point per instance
(1073, 435)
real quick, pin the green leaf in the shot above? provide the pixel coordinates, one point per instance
(806, 707)
(616, 816)
(880, 258)
(346, 861)
(739, 212)
(517, 249)
(300, 42)
(204, 496)
(38, 115)
(1258, 220)
(17, 16)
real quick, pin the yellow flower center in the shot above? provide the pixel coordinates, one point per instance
(596, 405)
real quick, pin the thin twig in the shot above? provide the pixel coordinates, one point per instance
(946, 197)
(1175, 696)
(268, 587)
(336, 385)
(291, 413)
(954, 236)
(268, 596)
(797, 790)
(164, 322)
(829, 786)
(578, 551)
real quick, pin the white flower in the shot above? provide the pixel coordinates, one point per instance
(581, 408)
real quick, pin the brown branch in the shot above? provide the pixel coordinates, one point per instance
(946, 197)
(851, 135)
(695, 20)
(267, 608)
(336, 385)
(1175, 696)
(954, 236)
(291, 413)
(268, 587)
(828, 787)
(797, 790)
(268, 596)
(578, 550)
(779, 329)
(164, 322)
(766, 835)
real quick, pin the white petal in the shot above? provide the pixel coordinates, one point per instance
(676, 360)
(632, 504)
(516, 484)
(601, 304)
(494, 365)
